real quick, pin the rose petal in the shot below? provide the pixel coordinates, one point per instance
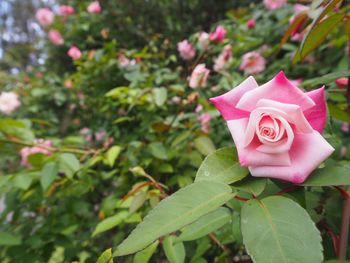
(308, 151)
(249, 156)
(226, 103)
(279, 89)
(317, 114)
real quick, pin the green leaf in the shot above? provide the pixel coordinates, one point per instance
(68, 164)
(204, 145)
(112, 154)
(252, 185)
(325, 79)
(138, 200)
(106, 257)
(338, 113)
(48, 175)
(110, 222)
(8, 239)
(206, 224)
(176, 211)
(175, 252)
(222, 166)
(145, 255)
(334, 173)
(23, 181)
(278, 230)
(336, 261)
(158, 150)
(160, 96)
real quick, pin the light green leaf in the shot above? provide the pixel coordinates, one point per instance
(278, 230)
(48, 175)
(175, 252)
(112, 154)
(339, 113)
(334, 173)
(68, 164)
(204, 145)
(252, 185)
(158, 150)
(110, 222)
(325, 79)
(145, 255)
(206, 224)
(222, 166)
(23, 181)
(106, 257)
(160, 96)
(8, 239)
(178, 210)
(138, 200)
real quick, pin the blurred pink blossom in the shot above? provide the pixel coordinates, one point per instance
(94, 7)
(74, 53)
(186, 50)
(175, 100)
(223, 59)
(342, 82)
(45, 16)
(296, 82)
(100, 135)
(203, 40)
(124, 61)
(41, 147)
(66, 10)
(252, 63)
(87, 133)
(55, 37)
(251, 23)
(199, 108)
(204, 120)
(9, 102)
(298, 8)
(274, 4)
(218, 35)
(199, 76)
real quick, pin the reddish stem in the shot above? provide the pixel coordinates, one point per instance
(241, 198)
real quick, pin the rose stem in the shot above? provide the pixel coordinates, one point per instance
(344, 228)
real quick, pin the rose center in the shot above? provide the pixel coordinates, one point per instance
(269, 129)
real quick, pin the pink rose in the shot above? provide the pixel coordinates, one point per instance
(100, 135)
(342, 82)
(296, 82)
(218, 35)
(44, 16)
(66, 10)
(199, 76)
(224, 58)
(204, 120)
(274, 4)
(42, 146)
(203, 40)
(56, 37)
(276, 127)
(94, 7)
(186, 50)
(251, 23)
(74, 53)
(125, 62)
(9, 102)
(252, 63)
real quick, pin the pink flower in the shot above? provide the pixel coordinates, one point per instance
(100, 135)
(56, 37)
(94, 7)
(298, 33)
(223, 59)
(296, 82)
(9, 102)
(251, 23)
(66, 10)
(125, 62)
(199, 76)
(41, 147)
(276, 127)
(274, 4)
(218, 35)
(74, 53)
(252, 63)
(204, 120)
(44, 16)
(298, 8)
(203, 40)
(87, 133)
(199, 108)
(175, 100)
(342, 82)
(186, 50)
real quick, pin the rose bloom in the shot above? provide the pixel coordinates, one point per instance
(199, 76)
(9, 102)
(66, 10)
(276, 127)
(100, 135)
(44, 16)
(74, 53)
(55, 37)
(252, 63)
(27, 151)
(186, 50)
(204, 120)
(251, 23)
(203, 40)
(223, 59)
(125, 62)
(342, 82)
(218, 35)
(274, 4)
(94, 7)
